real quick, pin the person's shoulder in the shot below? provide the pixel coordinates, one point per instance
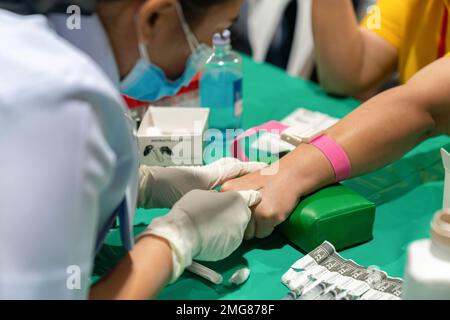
(37, 58)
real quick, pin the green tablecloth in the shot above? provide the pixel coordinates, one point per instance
(407, 194)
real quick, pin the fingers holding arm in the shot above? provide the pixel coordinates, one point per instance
(163, 187)
(227, 169)
(204, 225)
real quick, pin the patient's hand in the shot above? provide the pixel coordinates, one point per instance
(279, 198)
(281, 185)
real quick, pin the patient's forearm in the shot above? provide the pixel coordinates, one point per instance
(377, 133)
(381, 130)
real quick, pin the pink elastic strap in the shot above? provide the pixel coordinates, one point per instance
(336, 155)
(271, 126)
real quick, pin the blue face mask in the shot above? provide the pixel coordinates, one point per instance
(147, 81)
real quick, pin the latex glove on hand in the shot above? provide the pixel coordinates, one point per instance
(161, 187)
(205, 225)
(278, 201)
(282, 185)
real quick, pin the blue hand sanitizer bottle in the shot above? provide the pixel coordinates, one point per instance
(221, 84)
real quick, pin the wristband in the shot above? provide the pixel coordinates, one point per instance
(336, 155)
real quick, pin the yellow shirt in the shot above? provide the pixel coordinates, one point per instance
(413, 27)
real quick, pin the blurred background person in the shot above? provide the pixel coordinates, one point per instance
(280, 32)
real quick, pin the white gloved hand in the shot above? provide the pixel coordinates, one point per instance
(205, 225)
(161, 187)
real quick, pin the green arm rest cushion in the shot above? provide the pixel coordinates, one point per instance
(336, 214)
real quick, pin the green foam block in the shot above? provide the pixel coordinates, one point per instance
(336, 214)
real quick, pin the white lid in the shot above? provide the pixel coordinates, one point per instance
(440, 227)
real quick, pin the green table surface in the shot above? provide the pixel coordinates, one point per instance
(407, 194)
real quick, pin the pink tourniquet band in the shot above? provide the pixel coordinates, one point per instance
(271, 126)
(332, 150)
(336, 155)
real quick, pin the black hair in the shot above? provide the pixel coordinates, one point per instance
(195, 10)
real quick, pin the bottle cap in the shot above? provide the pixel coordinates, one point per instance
(223, 38)
(440, 227)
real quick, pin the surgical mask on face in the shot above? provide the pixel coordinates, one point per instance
(147, 81)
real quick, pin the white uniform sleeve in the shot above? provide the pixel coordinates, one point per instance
(54, 163)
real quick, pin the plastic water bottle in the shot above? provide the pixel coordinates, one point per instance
(221, 84)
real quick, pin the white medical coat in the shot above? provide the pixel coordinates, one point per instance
(68, 157)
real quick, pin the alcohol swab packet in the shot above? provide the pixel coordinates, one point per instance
(205, 273)
(237, 278)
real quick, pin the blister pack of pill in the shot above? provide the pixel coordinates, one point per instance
(323, 274)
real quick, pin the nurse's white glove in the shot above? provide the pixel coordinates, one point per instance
(205, 225)
(161, 187)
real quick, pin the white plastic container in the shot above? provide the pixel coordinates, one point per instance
(172, 136)
(428, 267)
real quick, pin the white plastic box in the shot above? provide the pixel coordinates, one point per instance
(172, 136)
